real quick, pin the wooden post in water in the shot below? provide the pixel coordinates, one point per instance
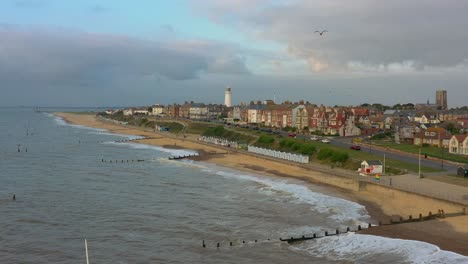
(86, 251)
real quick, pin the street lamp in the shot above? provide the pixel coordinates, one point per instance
(419, 163)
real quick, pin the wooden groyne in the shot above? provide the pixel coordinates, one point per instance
(430, 216)
(122, 161)
(183, 156)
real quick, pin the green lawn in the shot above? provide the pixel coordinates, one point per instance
(199, 127)
(389, 163)
(429, 150)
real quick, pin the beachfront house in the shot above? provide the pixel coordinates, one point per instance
(459, 144)
(371, 167)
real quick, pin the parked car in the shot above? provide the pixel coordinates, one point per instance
(277, 132)
(314, 138)
(292, 135)
(256, 128)
(355, 147)
(326, 141)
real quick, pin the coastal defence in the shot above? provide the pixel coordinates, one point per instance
(336, 177)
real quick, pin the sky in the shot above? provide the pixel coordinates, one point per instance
(132, 53)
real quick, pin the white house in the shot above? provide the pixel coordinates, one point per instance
(371, 167)
(459, 144)
(252, 116)
(128, 112)
(157, 110)
(422, 119)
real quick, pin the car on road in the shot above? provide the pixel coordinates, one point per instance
(326, 141)
(277, 132)
(355, 147)
(314, 138)
(292, 135)
(256, 128)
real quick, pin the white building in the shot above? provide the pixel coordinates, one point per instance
(228, 97)
(459, 144)
(128, 112)
(253, 116)
(371, 167)
(157, 110)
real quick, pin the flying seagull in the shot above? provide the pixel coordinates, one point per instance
(321, 33)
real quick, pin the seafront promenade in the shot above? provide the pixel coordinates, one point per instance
(407, 182)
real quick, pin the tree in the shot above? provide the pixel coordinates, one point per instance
(452, 127)
(397, 107)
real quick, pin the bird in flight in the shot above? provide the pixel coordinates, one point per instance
(320, 32)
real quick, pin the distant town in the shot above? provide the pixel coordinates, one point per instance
(424, 124)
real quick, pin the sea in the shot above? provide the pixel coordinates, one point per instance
(162, 211)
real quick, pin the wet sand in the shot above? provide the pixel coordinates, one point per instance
(381, 202)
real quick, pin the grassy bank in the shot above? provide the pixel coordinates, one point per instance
(441, 153)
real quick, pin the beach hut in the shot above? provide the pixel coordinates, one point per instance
(371, 167)
(462, 171)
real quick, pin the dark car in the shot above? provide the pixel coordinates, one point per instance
(277, 132)
(256, 128)
(292, 135)
(355, 147)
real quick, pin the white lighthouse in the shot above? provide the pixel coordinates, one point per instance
(227, 97)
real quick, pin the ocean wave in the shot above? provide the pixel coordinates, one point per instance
(173, 152)
(61, 122)
(339, 209)
(375, 249)
(105, 133)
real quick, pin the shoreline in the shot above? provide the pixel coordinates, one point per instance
(380, 202)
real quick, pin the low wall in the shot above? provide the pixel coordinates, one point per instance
(279, 154)
(412, 203)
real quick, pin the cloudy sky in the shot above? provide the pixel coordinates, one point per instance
(118, 52)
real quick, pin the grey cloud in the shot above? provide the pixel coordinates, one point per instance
(52, 57)
(376, 34)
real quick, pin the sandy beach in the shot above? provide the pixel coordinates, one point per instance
(381, 202)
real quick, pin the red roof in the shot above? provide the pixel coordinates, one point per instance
(361, 111)
(461, 138)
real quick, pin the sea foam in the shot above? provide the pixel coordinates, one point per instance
(339, 209)
(173, 152)
(375, 249)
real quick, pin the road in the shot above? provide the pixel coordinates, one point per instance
(346, 143)
(410, 158)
